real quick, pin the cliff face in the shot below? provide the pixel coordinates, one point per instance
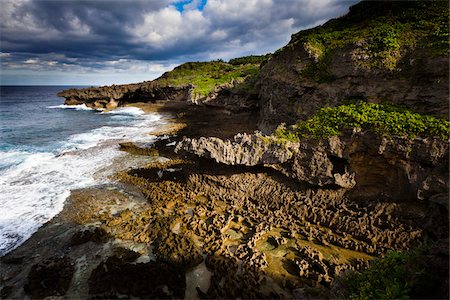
(368, 165)
(377, 52)
(380, 51)
(116, 95)
(215, 83)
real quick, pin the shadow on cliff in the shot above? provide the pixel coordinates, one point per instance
(210, 121)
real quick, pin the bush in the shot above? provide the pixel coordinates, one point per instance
(251, 59)
(388, 278)
(382, 118)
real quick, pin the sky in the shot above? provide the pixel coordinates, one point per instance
(103, 42)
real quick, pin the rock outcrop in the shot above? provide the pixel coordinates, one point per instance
(372, 166)
(110, 97)
(302, 161)
(305, 75)
(238, 95)
(232, 96)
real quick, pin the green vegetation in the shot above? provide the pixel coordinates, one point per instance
(252, 59)
(387, 278)
(398, 275)
(382, 118)
(319, 71)
(205, 76)
(383, 32)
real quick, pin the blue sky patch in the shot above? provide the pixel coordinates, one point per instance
(180, 4)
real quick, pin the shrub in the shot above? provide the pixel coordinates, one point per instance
(251, 59)
(381, 118)
(388, 278)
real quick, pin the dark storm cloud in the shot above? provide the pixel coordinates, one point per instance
(97, 34)
(82, 28)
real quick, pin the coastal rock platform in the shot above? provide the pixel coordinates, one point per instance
(188, 227)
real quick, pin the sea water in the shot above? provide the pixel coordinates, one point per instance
(48, 149)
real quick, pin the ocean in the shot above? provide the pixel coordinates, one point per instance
(48, 148)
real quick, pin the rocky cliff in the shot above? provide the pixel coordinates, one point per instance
(369, 165)
(112, 96)
(380, 51)
(215, 83)
(393, 52)
(285, 215)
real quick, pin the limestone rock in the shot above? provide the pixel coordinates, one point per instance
(305, 162)
(287, 93)
(246, 149)
(233, 96)
(50, 278)
(110, 97)
(369, 164)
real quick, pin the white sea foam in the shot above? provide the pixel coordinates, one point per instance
(129, 110)
(12, 158)
(76, 107)
(33, 189)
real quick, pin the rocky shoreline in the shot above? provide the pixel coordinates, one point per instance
(225, 206)
(183, 226)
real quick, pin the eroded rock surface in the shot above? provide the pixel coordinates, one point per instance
(394, 167)
(50, 278)
(265, 236)
(110, 97)
(117, 276)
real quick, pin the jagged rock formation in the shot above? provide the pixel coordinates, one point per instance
(245, 220)
(305, 162)
(275, 216)
(394, 167)
(112, 96)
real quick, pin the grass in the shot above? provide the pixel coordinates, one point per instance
(384, 32)
(381, 118)
(205, 76)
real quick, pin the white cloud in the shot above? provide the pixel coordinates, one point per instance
(32, 61)
(168, 27)
(230, 27)
(146, 37)
(78, 28)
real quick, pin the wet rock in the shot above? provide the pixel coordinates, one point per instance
(13, 259)
(6, 291)
(136, 150)
(96, 235)
(51, 277)
(126, 255)
(116, 277)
